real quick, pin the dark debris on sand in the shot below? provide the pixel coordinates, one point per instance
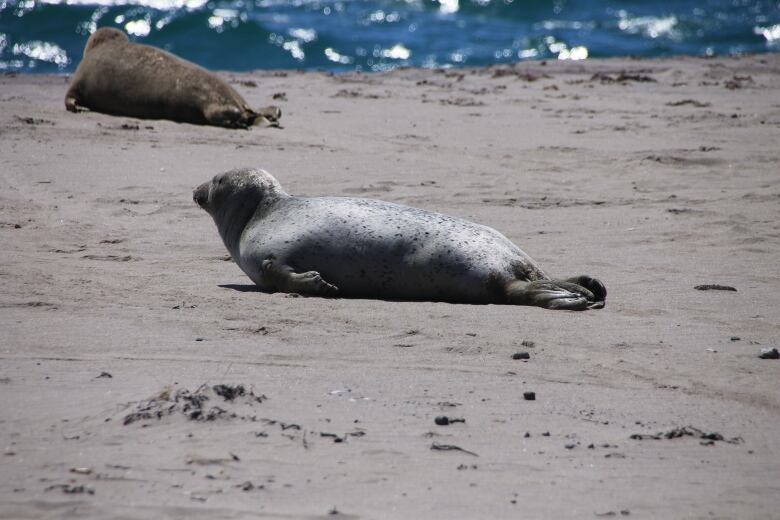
(687, 431)
(34, 120)
(443, 420)
(72, 489)
(450, 447)
(197, 405)
(714, 287)
(622, 78)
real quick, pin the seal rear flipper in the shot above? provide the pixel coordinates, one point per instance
(595, 286)
(267, 116)
(285, 279)
(72, 104)
(550, 294)
(228, 116)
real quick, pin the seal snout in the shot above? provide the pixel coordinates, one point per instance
(201, 195)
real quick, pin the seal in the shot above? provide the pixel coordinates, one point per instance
(366, 248)
(122, 78)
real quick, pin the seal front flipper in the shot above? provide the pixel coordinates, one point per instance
(550, 294)
(285, 279)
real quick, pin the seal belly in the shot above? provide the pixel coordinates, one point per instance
(369, 248)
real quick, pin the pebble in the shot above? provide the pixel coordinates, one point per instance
(521, 355)
(529, 396)
(442, 420)
(769, 353)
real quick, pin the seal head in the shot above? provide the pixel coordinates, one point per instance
(104, 35)
(232, 199)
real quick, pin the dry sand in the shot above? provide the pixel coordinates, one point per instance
(653, 175)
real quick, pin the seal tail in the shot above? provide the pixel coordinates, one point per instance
(267, 116)
(553, 294)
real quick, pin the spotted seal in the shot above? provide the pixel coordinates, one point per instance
(365, 248)
(122, 78)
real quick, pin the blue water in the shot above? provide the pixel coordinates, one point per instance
(375, 35)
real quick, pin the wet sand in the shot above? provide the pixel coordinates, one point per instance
(653, 175)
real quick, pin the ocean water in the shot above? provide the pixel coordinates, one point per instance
(376, 35)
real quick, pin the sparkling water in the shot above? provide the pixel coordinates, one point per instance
(377, 35)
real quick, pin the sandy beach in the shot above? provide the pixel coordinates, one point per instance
(120, 306)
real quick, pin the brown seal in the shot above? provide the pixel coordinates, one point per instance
(365, 248)
(122, 78)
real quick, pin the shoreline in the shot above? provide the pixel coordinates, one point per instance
(653, 175)
(630, 58)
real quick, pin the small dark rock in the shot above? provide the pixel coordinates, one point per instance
(442, 420)
(105, 374)
(769, 353)
(529, 396)
(521, 355)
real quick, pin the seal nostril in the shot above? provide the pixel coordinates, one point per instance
(199, 198)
